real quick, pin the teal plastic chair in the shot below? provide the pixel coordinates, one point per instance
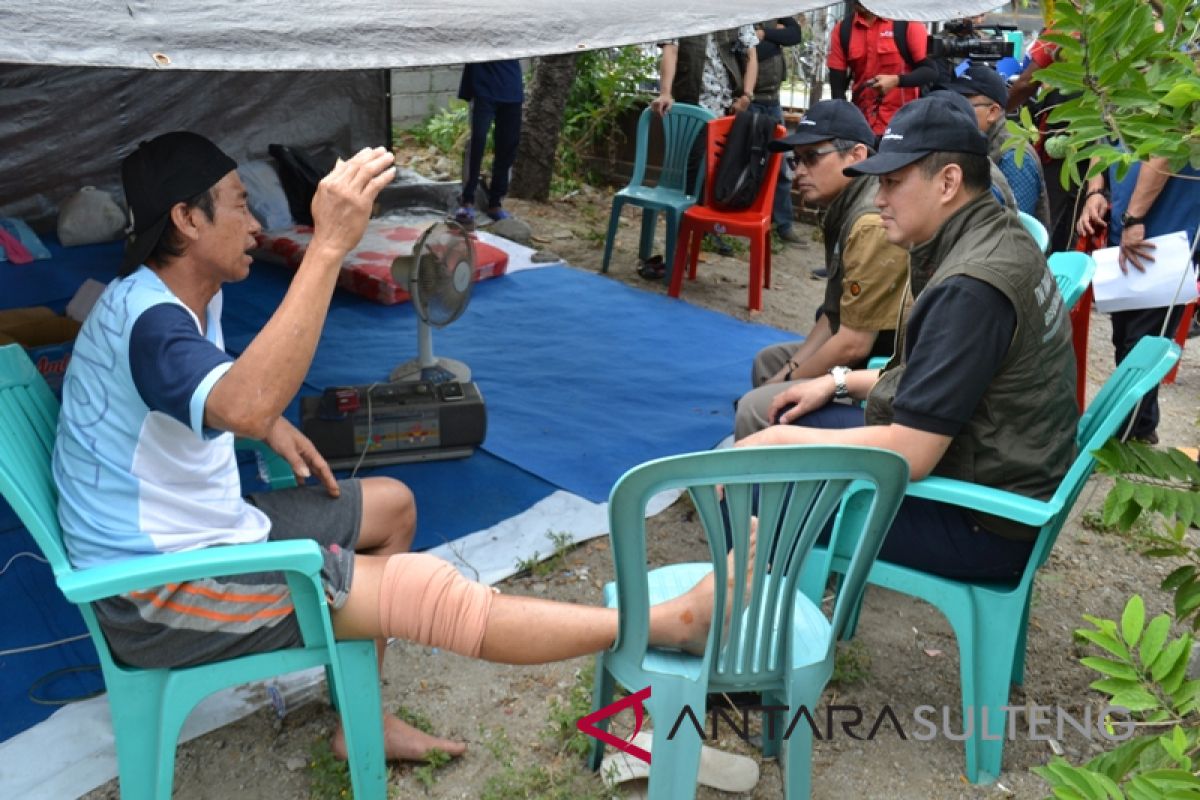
(990, 618)
(681, 125)
(776, 641)
(1036, 229)
(149, 706)
(1074, 273)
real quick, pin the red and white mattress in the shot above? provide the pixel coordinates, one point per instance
(367, 270)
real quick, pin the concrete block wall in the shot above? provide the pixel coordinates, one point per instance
(419, 92)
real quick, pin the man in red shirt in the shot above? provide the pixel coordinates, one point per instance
(873, 66)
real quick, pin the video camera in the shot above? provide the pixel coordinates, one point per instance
(961, 39)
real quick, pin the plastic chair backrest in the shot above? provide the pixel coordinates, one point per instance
(1074, 272)
(1138, 373)
(795, 493)
(28, 422)
(681, 125)
(718, 132)
(1036, 229)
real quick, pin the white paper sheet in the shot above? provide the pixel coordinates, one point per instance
(1162, 284)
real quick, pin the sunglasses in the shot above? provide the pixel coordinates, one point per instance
(809, 158)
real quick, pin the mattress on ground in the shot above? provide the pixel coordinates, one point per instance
(367, 270)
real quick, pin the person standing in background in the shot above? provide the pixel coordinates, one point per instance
(496, 92)
(773, 36)
(883, 62)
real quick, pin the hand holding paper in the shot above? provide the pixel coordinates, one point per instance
(1164, 277)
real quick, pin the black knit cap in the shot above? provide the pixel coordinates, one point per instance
(168, 169)
(929, 125)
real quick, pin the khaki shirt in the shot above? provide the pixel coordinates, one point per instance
(874, 275)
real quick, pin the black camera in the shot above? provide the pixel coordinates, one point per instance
(976, 49)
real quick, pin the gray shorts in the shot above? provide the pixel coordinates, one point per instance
(219, 618)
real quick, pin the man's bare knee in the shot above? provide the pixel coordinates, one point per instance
(389, 516)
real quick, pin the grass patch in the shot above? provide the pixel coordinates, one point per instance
(563, 776)
(561, 543)
(1143, 526)
(851, 664)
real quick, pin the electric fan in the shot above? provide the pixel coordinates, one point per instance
(438, 275)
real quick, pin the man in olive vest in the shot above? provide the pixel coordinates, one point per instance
(982, 385)
(866, 274)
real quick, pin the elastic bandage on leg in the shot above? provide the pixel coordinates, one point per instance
(424, 599)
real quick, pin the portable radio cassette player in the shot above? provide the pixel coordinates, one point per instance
(393, 423)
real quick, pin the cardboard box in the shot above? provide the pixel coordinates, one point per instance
(48, 338)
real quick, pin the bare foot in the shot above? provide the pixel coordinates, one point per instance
(684, 621)
(402, 742)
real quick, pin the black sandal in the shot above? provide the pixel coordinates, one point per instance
(653, 268)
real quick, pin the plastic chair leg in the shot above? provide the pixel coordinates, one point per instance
(613, 218)
(797, 763)
(682, 255)
(145, 753)
(767, 259)
(602, 695)
(985, 670)
(694, 248)
(756, 273)
(649, 223)
(362, 719)
(1018, 668)
(672, 219)
(681, 754)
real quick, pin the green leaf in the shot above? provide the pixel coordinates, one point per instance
(1182, 94)
(1132, 620)
(1113, 669)
(1170, 656)
(1179, 577)
(1105, 642)
(1187, 599)
(1135, 699)
(1152, 642)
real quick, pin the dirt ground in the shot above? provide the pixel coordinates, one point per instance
(905, 655)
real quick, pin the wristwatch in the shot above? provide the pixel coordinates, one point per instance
(1128, 220)
(840, 389)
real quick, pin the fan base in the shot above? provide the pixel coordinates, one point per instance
(442, 371)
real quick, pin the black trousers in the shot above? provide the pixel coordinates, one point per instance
(1128, 327)
(507, 117)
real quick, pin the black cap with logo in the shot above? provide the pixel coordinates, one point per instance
(168, 169)
(980, 79)
(828, 119)
(929, 125)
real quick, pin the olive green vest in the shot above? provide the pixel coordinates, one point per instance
(689, 65)
(855, 200)
(1021, 437)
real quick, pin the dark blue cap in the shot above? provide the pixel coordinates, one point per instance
(828, 119)
(982, 80)
(929, 125)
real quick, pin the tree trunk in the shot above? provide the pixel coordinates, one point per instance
(544, 108)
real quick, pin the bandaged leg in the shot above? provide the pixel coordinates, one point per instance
(424, 599)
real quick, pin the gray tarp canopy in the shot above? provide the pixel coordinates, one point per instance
(80, 86)
(243, 35)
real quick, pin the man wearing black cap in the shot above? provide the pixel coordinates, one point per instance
(982, 385)
(866, 273)
(985, 90)
(144, 459)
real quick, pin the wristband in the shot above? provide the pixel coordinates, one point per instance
(1102, 192)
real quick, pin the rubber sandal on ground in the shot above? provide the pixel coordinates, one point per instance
(499, 214)
(728, 772)
(653, 268)
(465, 216)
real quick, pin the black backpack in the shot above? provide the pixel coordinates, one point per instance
(743, 163)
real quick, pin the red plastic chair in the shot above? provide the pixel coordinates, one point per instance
(753, 222)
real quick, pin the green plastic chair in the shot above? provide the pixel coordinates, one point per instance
(1036, 229)
(776, 642)
(990, 618)
(681, 125)
(149, 706)
(1074, 272)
